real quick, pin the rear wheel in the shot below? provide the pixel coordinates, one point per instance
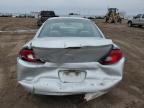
(120, 20)
(39, 23)
(130, 24)
(111, 20)
(140, 25)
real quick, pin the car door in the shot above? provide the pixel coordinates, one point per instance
(136, 19)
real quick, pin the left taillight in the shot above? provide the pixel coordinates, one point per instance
(114, 56)
(27, 55)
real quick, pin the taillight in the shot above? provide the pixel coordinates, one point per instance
(27, 55)
(114, 56)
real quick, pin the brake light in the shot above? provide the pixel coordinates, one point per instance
(27, 55)
(114, 56)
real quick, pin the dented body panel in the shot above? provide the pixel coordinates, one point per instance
(44, 79)
(71, 50)
(71, 66)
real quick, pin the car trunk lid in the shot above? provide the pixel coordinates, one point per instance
(71, 50)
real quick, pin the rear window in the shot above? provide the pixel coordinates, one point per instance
(47, 13)
(69, 28)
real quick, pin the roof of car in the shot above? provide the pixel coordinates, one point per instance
(80, 18)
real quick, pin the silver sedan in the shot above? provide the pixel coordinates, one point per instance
(68, 56)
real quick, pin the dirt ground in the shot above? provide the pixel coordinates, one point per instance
(128, 94)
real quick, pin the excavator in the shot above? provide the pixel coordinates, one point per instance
(113, 16)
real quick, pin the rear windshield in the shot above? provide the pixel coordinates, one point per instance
(47, 13)
(69, 28)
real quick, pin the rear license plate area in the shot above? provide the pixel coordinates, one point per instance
(72, 76)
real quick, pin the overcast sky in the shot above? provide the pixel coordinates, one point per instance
(94, 7)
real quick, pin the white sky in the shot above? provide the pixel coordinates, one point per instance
(97, 7)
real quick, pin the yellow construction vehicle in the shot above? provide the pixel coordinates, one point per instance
(113, 16)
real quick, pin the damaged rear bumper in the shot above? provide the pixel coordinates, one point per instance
(44, 78)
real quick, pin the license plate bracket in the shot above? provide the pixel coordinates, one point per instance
(72, 76)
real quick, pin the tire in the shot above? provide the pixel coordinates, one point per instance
(106, 20)
(120, 20)
(140, 25)
(130, 24)
(111, 20)
(39, 23)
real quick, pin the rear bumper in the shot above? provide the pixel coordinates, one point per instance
(44, 78)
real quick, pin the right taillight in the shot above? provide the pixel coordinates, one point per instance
(114, 56)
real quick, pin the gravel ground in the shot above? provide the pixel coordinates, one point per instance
(129, 94)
